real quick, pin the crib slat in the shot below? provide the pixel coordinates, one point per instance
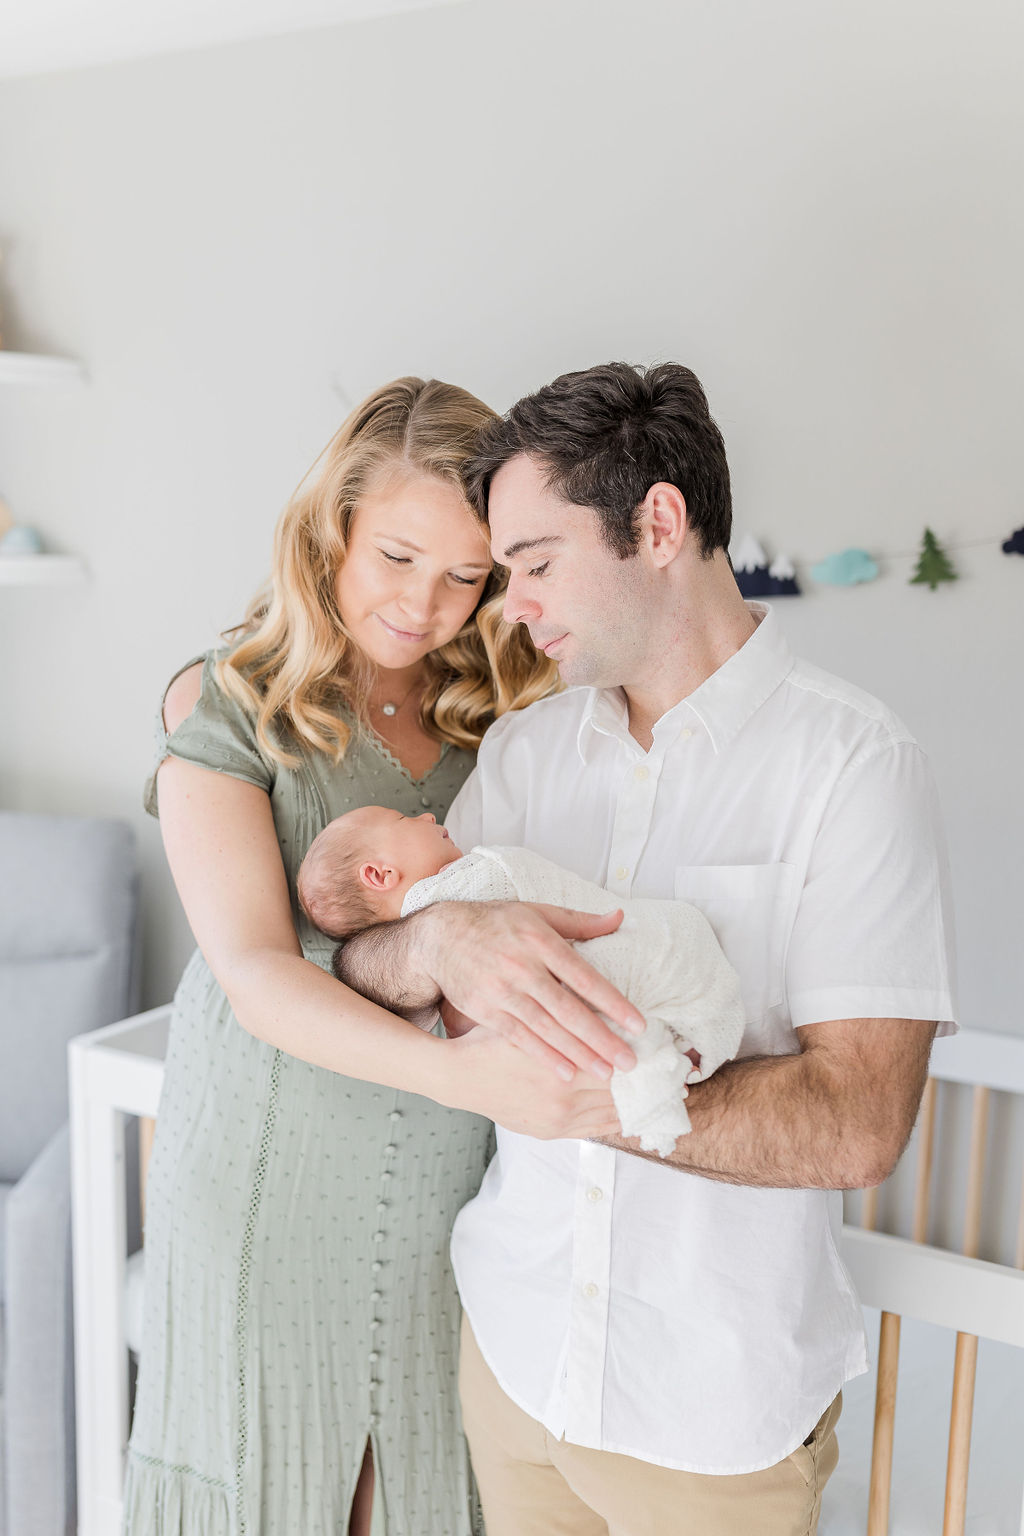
(976, 1170)
(925, 1149)
(885, 1420)
(966, 1359)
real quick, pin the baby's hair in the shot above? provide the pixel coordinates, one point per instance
(329, 888)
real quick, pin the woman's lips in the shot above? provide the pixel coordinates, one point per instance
(401, 634)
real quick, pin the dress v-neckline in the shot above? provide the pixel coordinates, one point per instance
(382, 749)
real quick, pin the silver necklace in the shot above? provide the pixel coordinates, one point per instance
(390, 709)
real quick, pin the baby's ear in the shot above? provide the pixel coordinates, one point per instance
(378, 877)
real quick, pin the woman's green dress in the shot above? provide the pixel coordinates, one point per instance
(299, 1296)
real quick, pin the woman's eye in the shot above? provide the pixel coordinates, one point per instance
(467, 581)
(539, 570)
(396, 559)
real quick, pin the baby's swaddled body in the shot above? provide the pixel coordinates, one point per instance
(664, 958)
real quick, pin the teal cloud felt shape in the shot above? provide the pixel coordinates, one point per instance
(846, 568)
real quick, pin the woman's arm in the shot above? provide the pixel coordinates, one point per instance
(223, 852)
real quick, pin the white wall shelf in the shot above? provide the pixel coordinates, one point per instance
(40, 570)
(34, 368)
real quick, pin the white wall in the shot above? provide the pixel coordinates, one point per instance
(816, 205)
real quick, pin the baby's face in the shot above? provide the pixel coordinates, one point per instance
(414, 846)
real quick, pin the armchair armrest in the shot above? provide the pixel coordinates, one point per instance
(39, 1375)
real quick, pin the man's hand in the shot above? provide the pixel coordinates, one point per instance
(511, 966)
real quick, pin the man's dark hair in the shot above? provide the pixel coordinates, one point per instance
(606, 435)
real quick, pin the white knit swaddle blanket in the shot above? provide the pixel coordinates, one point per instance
(664, 957)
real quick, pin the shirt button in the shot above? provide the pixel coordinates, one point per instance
(622, 873)
(595, 1194)
(641, 772)
(685, 734)
(590, 1290)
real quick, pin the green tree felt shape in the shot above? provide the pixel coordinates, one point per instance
(933, 564)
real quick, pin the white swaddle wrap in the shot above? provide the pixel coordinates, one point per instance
(664, 957)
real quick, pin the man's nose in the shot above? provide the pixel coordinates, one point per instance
(518, 606)
(427, 816)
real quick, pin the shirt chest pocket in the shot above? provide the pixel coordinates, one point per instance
(749, 906)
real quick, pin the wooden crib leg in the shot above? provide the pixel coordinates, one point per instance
(885, 1419)
(960, 1435)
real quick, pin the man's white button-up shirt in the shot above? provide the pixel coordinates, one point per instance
(640, 1309)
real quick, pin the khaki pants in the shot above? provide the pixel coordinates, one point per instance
(534, 1485)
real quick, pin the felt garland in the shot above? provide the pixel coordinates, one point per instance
(756, 576)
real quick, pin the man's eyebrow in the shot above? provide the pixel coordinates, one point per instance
(521, 545)
(468, 565)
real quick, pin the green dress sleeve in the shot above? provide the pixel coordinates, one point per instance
(219, 734)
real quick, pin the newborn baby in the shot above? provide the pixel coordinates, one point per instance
(375, 864)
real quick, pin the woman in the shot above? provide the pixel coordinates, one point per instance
(301, 1320)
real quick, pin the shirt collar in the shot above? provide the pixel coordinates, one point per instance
(723, 703)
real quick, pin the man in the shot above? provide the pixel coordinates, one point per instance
(660, 1347)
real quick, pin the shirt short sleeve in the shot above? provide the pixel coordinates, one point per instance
(873, 935)
(219, 734)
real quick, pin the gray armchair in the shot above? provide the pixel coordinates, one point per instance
(68, 900)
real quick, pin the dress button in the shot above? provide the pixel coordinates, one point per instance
(382, 1205)
(378, 1237)
(376, 1267)
(424, 801)
(374, 1356)
(594, 1193)
(641, 772)
(396, 1114)
(374, 1323)
(386, 1173)
(375, 1295)
(622, 873)
(590, 1290)
(390, 1147)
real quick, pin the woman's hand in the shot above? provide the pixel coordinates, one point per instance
(488, 1075)
(512, 967)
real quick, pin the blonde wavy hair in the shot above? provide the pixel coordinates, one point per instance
(292, 663)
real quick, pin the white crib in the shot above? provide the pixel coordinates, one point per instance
(947, 1194)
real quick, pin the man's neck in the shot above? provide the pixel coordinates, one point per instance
(709, 624)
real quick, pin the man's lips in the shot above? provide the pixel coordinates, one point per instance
(401, 634)
(549, 645)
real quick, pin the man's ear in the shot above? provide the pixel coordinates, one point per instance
(664, 521)
(378, 877)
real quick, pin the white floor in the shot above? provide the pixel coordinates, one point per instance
(922, 1427)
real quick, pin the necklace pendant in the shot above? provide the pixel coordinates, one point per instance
(388, 709)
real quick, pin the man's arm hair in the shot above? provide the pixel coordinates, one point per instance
(380, 963)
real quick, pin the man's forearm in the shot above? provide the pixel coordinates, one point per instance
(808, 1121)
(384, 964)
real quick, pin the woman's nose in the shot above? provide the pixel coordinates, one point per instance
(419, 599)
